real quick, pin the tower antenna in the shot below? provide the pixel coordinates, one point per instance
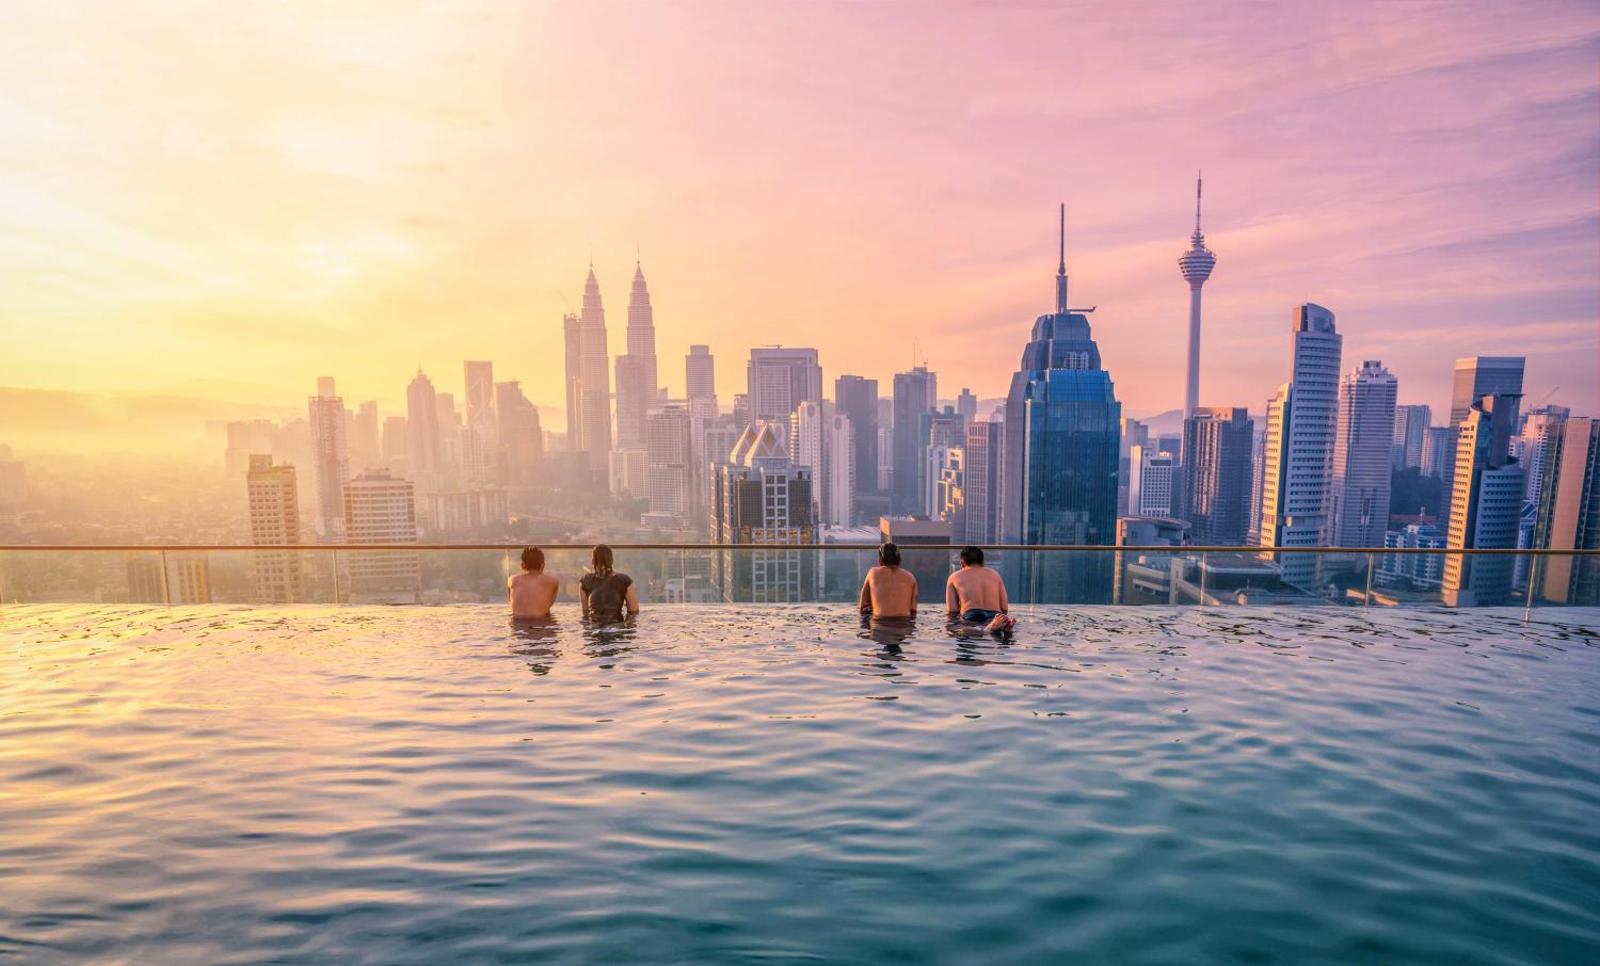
(1198, 181)
(1061, 269)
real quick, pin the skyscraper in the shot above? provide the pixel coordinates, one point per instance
(779, 379)
(1150, 490)
(1062, 427)
(984, 454)
(1217, 445)
(520, 436)
(914, 393)
(937, 431)
(1411, 424)
(839, 460)
(275, 521)
(1540, 428)
(967, 405)
(425, 442)
(856, 399)
(1298, 462)
(760, 496)
(330, 456)
(668, 481)
(589, 431)
(1476, 377)
(637, 386)
(1569, 514)
(381, 509)
(1436, 450)
(699, 370)
(806, 428)
(366, 448)
(1195, 265)
(1362, 456)
(1485, 505)
(479, 445)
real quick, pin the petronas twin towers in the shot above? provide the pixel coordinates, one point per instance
(589, 374)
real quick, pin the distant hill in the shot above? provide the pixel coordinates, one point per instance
(49, 420)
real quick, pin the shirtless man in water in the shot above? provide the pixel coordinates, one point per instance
(977, 594)
(532, 592)
(889, 591)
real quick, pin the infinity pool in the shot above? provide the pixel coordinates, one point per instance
(776, 784)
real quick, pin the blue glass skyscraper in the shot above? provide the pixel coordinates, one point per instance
(1063, 426)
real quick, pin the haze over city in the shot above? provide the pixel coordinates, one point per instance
(227, 205)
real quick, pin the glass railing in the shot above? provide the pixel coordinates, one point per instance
(687, 574)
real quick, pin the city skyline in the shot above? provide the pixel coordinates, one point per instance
(299, 271)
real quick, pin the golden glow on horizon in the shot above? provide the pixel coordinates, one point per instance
(228, 204)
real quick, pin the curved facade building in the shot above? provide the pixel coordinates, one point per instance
(1062, 430)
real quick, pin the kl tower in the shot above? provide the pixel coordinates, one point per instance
(1195, 265)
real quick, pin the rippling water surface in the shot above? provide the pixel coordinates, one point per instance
(776, 784)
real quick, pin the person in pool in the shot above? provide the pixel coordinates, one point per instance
(531, 592)
(977, 594)
(608, 597)
(888, 590)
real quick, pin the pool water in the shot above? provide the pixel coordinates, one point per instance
(777, 784)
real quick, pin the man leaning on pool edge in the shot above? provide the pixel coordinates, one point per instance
(889, 591)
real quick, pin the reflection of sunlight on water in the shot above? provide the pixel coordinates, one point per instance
(317, 783)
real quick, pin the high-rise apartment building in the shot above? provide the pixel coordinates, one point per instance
(1195, 265)
(481, 444)
(1411, 425)
(1540, 429)
(1485, 505)
(1363, 456)
(425, 441)
(984, 453)
(1476, 377)
(330, 456)
(856, 399)
(366, 446)
(967, 405)
(1302, 423)
(1569, 513)
(1216, 468)
(1436, 450)
(915, 392)
(839, 485)
(700, 374)
(520, 437)
(806, 447)
(379, 508)
(1061, 446)
(669, 484)
(779, 379)
(274, 503)
(760, 496)
(638, 389)
(1150, 490)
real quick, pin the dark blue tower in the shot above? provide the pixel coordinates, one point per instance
(1063, 427)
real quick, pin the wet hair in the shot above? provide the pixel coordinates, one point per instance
(889, 555)
(602, 559)
(532, 558)
(972, 556)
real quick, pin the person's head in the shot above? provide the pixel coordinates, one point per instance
(889, 555)
(971, 557)
(532, 559)
(602, 559)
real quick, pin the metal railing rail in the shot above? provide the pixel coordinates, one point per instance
(904, 548)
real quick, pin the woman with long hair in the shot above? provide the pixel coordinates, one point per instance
(608, 597)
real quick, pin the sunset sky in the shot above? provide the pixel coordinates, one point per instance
(229, 200)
